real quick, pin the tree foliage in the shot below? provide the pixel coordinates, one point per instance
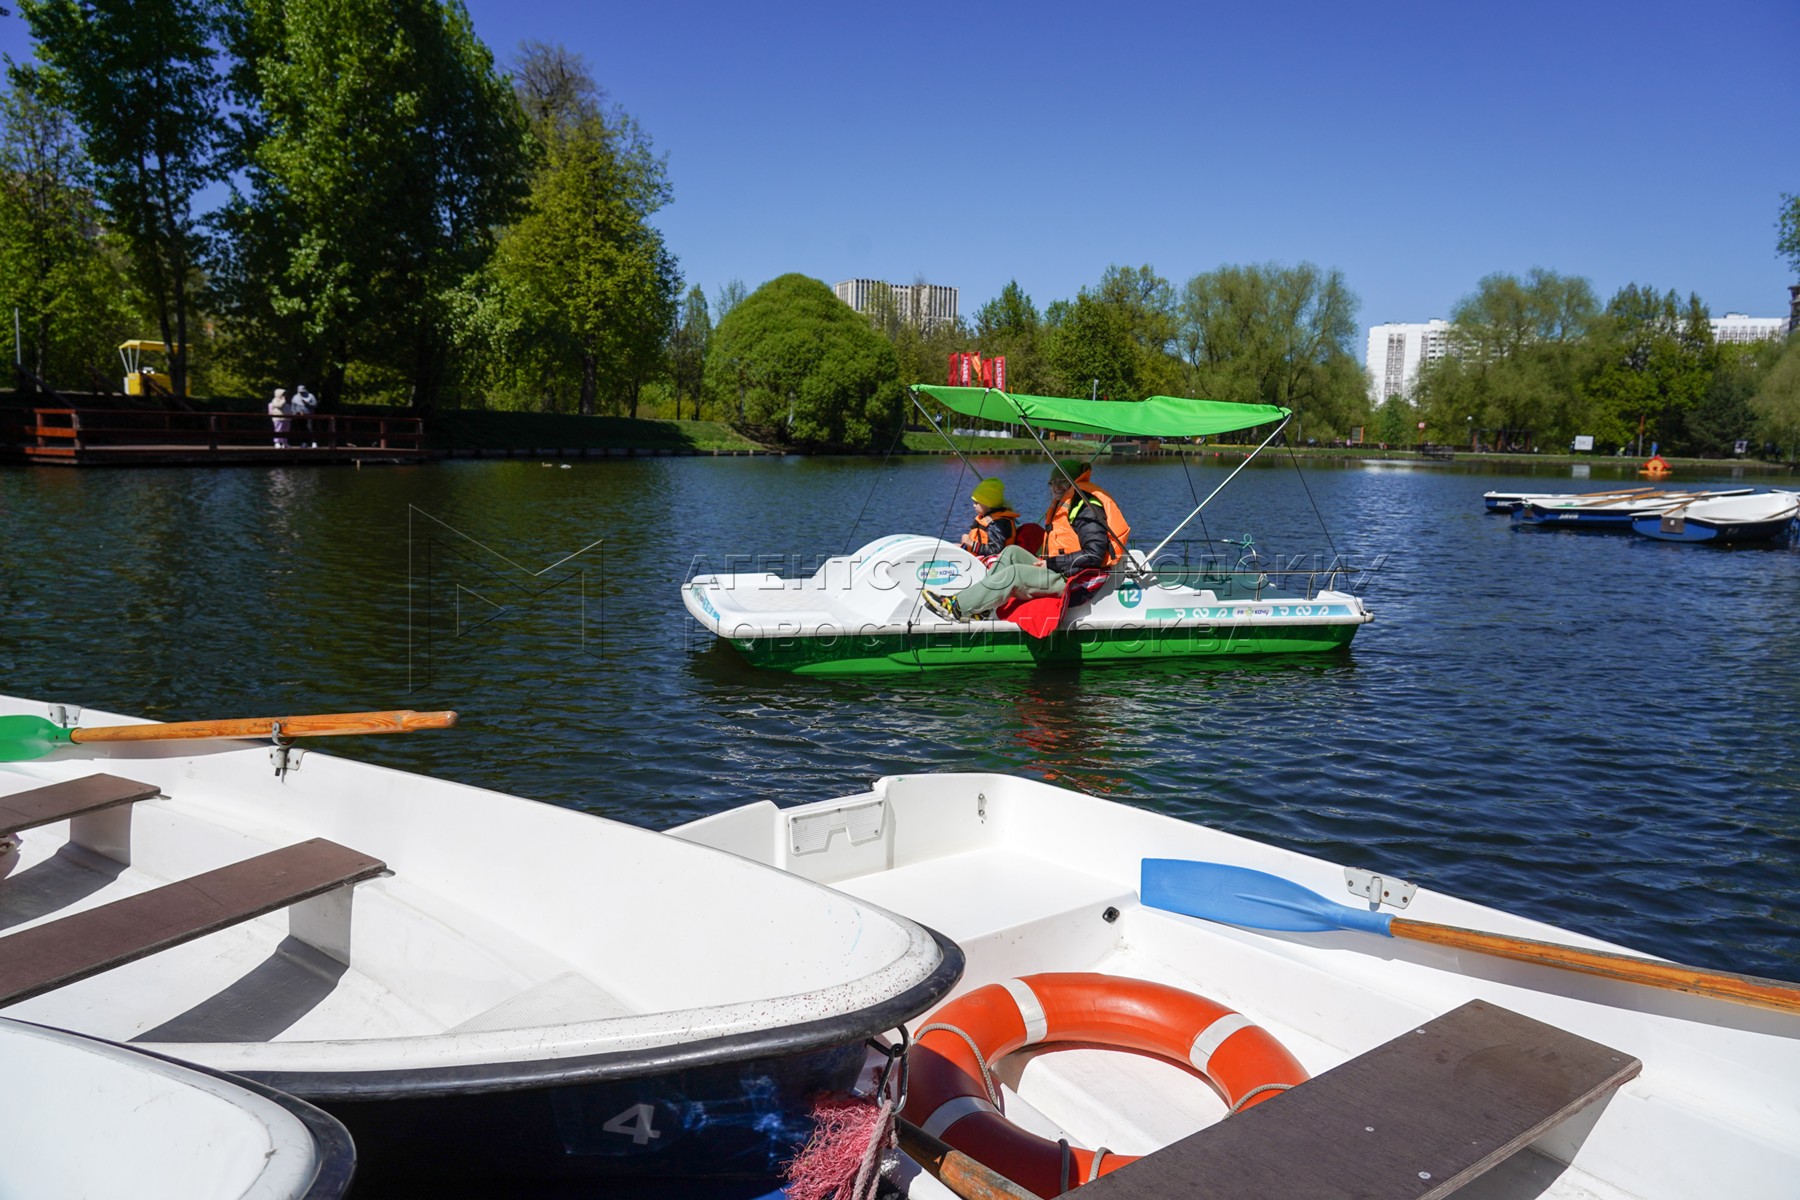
(687, 350)
(795, 363)
(66, 276)
(1787, 231)
(1517, 361)
(1272, 334)
(1653, 362)
(1777, 402)
(140, 81)
(380, 150)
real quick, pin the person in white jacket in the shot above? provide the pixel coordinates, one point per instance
(280, 409)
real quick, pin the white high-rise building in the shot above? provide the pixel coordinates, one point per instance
(1396, 352)
(1737, 328)
(926, 305)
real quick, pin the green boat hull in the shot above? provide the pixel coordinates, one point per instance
(907, 652)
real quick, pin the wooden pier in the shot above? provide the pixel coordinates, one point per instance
(86, 437)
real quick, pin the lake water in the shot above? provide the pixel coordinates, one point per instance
(1599, 731)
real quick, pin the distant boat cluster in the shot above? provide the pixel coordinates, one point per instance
(1719, 515)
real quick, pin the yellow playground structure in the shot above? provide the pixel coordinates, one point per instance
(142, 379)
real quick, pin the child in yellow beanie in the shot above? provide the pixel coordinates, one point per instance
(996, 526)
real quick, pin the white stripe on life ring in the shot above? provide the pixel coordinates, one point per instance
(953, 1110)
(1208, 1040)
(1031, 1010)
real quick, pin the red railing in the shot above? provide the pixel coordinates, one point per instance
(93, 428)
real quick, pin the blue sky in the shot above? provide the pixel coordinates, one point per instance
(1417, 147)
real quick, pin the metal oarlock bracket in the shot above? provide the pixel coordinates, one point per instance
(284, 756)
(1378, 889)
(65, 714)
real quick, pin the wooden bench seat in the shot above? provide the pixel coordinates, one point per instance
(59, 952)
(1416, 1118)
(60, 801)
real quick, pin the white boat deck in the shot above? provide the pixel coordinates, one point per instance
(1022, 876)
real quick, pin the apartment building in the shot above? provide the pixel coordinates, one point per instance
(926, 305)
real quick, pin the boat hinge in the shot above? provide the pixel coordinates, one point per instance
(284, 756)
(65, 714)
(1378, 889)
(811, 832)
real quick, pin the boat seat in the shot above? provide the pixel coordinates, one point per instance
(1418, 1117)
(61, 801)
(55, 953)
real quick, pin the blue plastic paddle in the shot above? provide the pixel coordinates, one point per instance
(1256, 900)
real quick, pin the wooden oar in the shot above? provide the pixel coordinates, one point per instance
(1255, 900)
(956, 1170)
(23, 737)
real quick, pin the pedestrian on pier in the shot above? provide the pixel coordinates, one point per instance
(304, 403)
(280, 410)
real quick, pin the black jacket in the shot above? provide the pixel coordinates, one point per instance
(993, 538)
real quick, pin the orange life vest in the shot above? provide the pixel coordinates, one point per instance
(1061, 537)
(977, 537)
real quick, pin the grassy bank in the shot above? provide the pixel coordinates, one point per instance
(470, 430)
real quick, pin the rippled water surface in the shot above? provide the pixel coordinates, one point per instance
(1596, 730)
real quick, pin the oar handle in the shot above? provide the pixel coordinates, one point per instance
(1723, 985)
(318, 725)
(956, 1170)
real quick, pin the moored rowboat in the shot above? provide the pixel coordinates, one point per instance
(1762, 517)
(479, 986)
(82, 1117)
(1033, 879)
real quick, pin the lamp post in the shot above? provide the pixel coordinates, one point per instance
(1471, 434)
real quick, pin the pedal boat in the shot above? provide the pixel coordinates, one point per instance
(862, 613)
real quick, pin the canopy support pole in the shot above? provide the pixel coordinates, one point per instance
(1159, 546)
(948, 441)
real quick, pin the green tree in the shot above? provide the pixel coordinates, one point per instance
(58, 267)
(1090, 349)
(1724, 415)
(1009, 326)
(1787, 231)
(1518, 357)
(1272, 334)
(1655, 360)
(798, 364)
(731, 293)
(380, 151)
(1777, 402)
(140, 81)
(1145, 301)
(584, 260)
(687, 350)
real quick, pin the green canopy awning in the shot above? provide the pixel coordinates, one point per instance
(1158, 416)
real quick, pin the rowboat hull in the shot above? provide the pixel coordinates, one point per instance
(1030, 878)
(1759, 518)
(498, 1007)
(83, 1117)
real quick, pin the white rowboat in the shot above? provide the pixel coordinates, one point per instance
(1030, 878)
(494, 988)
(81, 1117)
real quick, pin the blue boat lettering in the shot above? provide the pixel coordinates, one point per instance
(938, 570)
(707, 605)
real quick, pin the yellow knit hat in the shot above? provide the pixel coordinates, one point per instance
(990, 493)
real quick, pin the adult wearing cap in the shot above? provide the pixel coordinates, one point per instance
(996, 526)
(1080, 535)
(1084, 527)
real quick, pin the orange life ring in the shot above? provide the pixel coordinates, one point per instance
(947, 1096)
